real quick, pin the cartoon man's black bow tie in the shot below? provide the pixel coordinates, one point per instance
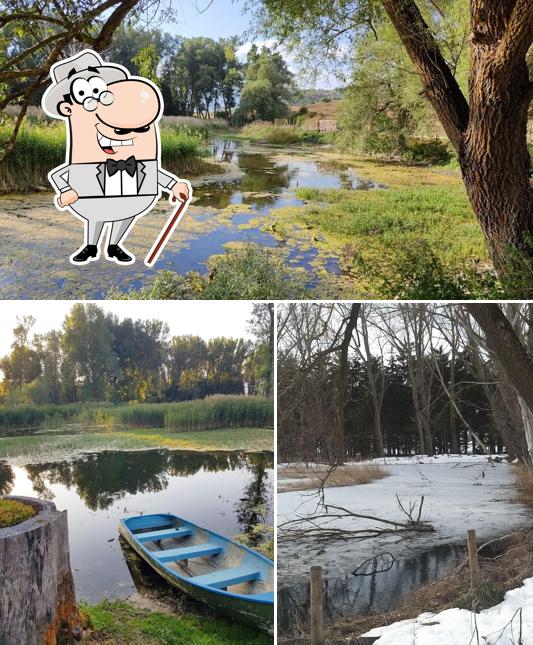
(130, 166)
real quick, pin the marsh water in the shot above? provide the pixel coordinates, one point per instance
(229, 492)
(229, 210)
(376, 587)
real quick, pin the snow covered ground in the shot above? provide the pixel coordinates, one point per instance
(509, 623)
(461, 492)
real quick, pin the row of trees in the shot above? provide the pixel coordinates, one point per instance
(374, 380)
(203, 77)
(197, 76)
(97, 357)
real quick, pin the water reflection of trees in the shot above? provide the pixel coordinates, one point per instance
(7, 478)
(102, 478)
(253, 508)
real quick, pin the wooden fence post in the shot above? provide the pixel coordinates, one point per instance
(316, 606)
(472, 560)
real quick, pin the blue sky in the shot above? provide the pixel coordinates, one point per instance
(220, 19)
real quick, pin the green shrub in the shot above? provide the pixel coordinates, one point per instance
(435, 152)
(248, 273)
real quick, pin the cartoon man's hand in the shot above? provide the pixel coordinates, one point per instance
(180, 192)
(68, 197)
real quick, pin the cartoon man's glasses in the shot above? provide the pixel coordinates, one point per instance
(89, 92)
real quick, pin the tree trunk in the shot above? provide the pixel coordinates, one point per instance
(494, 158)
(489, 133)
(507, 347)
(342, 377)
(37, 600)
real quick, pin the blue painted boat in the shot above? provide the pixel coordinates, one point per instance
(229, 577)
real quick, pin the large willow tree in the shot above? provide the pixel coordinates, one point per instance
(488, 128)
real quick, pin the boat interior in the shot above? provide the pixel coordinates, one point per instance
(204, 557)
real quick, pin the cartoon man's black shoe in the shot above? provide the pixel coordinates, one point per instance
(87, 254)
(115, 252)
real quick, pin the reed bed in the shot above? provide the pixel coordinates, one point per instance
(26, 418)
(40, 147)
(281, 134)
(218, 411)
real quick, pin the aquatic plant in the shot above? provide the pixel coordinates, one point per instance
(282, 134)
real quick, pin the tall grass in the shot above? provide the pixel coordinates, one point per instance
(40, 147)
(27, 417)
(219, 411)
(281, 134)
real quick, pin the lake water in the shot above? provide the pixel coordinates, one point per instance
(379, 587)
(239, 211)
(228, 492)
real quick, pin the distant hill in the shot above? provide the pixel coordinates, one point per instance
(325, 109)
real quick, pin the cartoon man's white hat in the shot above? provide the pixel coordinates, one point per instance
(87, 64)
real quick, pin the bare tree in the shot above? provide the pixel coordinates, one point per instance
(374, 371)
(512, 356)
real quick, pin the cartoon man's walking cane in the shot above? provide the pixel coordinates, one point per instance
(167, 231)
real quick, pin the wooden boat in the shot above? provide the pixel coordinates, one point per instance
(227, 576)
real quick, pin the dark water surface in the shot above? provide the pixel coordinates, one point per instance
(378, 586)
(226, 492)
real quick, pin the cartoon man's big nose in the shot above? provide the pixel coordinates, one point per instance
(112, 173)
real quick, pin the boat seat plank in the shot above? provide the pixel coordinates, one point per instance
(184, 553)
(269, 595)
(165, 534)
(228, 577)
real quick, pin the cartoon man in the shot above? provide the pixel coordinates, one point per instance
(112, 172)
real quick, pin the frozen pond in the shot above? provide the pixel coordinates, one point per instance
(459, 495)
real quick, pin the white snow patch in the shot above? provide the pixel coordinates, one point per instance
(499, 624)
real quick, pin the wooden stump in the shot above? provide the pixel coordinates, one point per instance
(37, 598)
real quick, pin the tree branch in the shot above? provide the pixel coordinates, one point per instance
(518, 36)
(439, 84)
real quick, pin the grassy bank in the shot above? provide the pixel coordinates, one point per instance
(40, 147)
(405, 241)
(299, 477)
(219, 411)
(122, 623)
(45, 446)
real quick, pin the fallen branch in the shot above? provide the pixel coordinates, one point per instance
(316, 527)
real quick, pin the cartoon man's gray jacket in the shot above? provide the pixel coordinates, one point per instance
(105, 179)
